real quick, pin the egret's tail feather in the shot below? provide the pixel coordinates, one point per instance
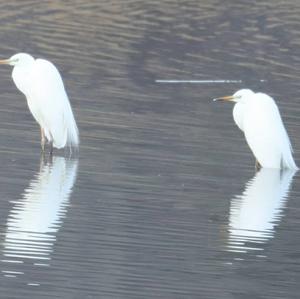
(289, 164)
(66, 135)
(72, 130)
(72, 135)
(288, 160)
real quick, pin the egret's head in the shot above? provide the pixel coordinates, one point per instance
(20, 59)
(241, 95)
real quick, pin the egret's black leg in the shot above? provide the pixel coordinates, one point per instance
(51, 148)
(257, 165)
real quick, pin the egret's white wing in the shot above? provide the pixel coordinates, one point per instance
(265, 133)
(49, 104)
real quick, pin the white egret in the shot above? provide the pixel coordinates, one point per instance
(257, 115)
(41, 83)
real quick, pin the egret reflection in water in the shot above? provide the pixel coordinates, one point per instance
(35, 218)
(255, 213)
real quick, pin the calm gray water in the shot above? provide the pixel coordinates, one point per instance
(162, 200)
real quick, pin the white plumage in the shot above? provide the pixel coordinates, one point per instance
(257, 115)
(41, 83)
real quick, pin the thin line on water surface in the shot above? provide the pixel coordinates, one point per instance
(11, 272)
(203, 81)
(198, 81)
(10, 261)
(33, 284)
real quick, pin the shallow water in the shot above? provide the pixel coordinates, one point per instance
(162, 199)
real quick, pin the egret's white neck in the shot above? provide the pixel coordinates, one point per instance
(238, 114)
(21, 75)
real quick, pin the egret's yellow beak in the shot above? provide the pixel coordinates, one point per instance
(5, 61)
(227, 99)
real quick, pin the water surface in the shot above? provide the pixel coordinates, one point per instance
(162, 200)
